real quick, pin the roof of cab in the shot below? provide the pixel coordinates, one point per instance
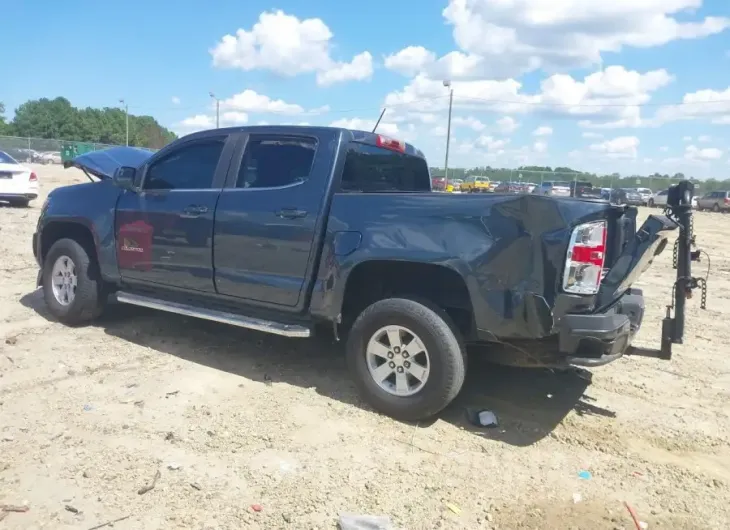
(364, 137)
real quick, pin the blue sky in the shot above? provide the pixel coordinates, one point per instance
(633, 86)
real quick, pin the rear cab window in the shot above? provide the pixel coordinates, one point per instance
(372, 169)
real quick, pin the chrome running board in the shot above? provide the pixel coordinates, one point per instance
(276, 328)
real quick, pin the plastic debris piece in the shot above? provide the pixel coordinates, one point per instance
(87, 408)
(487, 418)
(643, 525)
(256, 507)
(585, 475)
(173, 466)
(577, 497)
(454, 508)
(365, 522)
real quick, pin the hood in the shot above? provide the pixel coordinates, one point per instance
(104, 163)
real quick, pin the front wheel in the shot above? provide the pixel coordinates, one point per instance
(651, 203)
(716, 208)
(407, 358)
(72, 287)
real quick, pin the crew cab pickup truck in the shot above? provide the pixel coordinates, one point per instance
(288, 230)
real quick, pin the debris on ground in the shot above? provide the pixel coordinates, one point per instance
(151, 485)
(364, 522)
(6, 509)
(71, 509)
(454, 508)
(110, 523)
(577, 497)
(482, 418)
(256, 507)
(585, 475)
(173, 466)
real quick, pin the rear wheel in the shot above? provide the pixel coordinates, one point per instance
(406, 357)
(651, 203)
(72, 288)
(716, 208)
(20, 203)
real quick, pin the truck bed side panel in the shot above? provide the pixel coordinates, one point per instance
(510, 250)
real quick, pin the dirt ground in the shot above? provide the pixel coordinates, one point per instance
(229, 419)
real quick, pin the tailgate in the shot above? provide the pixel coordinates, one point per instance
(630, 254)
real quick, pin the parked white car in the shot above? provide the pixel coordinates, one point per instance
(645, 194)
(554, 189)
(659, 199)
(18, 183)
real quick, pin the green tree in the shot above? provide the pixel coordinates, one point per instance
(58, 119)
(4, 127)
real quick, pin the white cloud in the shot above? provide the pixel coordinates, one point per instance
(621, 147)
(605, 99)
(492, 144)
(234, 118)
(409, 61)
(543, 131)
(704, 138)
(285, 45)
(664, 149)
(359, 69)
(507, 125)
(589, 134)
(439, 131)
(199, 121)
(505, 38)
(709, 153)
(469, 122)
(251, 101)
(359, 124)
(704, 104)
(540, 146)
(175, 100)
(687, 139)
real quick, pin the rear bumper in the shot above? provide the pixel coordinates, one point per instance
(598, 339)
(15, 196)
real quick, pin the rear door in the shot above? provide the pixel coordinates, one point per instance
(269, 216)
(165, 229)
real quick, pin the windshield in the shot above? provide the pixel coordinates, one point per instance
(372, 169)
(561, 184)
(6, 158)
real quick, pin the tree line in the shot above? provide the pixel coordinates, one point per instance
(59, 120)
(538, 174)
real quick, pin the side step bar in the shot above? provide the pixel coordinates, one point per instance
(276, 328)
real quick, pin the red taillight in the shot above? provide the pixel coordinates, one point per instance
(33, 178)
(390, 143)
(727, 201)
(585, 259)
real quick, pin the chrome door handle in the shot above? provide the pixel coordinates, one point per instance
(194, 211)
(291, 213)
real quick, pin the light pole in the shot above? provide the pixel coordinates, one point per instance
(126, 117)
(447, 84)
(217, 110)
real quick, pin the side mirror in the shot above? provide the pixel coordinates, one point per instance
(124, 177)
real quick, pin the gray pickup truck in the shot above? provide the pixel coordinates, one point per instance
(289, 230)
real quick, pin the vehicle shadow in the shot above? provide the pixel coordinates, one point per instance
(529, 403)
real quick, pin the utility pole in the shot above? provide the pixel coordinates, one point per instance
(447, 84)
(126, 117)
(217, 110)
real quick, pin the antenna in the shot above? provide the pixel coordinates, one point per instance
(380, 118)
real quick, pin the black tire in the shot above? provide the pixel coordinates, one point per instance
(90, 295)
(716, 208)
(650, 204)
(440, 337)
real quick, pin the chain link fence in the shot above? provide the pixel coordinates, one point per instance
(536, 178)
(46, 150)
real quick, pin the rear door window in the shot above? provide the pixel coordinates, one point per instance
(372, 169)
(276, 161)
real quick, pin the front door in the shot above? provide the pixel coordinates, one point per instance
(165, 229)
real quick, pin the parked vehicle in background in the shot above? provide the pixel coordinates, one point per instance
(18, 183)
(633, 197)
(530, 187)
(553, 189)
(645, 194)
(454, 186)
(476, 184)
(49, 157)
(438, 183)
(717, 201)
(659, 199)
(584, 189)
(509, 187)
(290, 229)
